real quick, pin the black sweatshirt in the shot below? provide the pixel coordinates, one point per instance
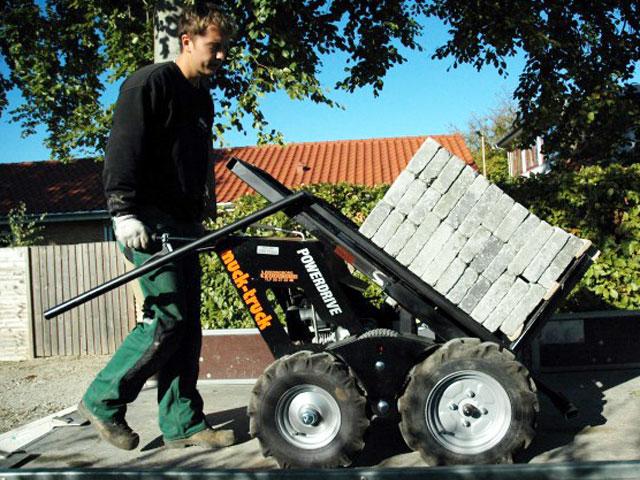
(157, 153)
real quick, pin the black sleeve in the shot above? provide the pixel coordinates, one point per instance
(127, 148)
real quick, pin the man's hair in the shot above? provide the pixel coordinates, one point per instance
(196, 18)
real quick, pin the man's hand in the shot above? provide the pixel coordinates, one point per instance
(131, 232)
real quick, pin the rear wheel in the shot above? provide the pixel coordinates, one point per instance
(379, 332)
(468, 403)
(307, 411)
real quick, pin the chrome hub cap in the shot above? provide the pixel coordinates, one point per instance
(308, 417)
(468, 412)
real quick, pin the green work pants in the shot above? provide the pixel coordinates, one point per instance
(166, 343)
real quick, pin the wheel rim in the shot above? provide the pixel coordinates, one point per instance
(308, 416)
(468, 412)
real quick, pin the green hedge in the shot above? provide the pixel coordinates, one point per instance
(601, 204)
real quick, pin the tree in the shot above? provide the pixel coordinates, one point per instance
(60, 54)
(575, 89)
(23, 229)
(493, 126)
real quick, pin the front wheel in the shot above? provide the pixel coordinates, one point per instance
(468, 403)
(307, 412)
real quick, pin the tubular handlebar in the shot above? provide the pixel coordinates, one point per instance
(209, 239)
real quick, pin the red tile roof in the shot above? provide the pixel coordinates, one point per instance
(369, 162)
(54, 187)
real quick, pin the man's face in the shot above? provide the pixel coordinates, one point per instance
(206, 52)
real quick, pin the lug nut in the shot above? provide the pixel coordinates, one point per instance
(383, 407)
(485, 411)
(310, 417)
(466, 423)
(470, 393)
(453, 406)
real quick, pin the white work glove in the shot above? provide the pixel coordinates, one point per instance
(131, 232)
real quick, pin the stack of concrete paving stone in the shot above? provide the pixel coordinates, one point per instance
(470, 241)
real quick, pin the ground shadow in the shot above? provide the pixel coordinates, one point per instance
(586, 390)
(382, 441)
(235, 419)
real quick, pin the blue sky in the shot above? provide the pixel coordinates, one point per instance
(419, 97)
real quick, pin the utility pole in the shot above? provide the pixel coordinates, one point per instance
(484, 162)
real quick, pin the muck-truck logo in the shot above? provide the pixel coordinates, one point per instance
(241, 280)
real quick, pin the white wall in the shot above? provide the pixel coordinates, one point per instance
(15, 342)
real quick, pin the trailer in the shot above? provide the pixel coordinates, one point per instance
(460, 393)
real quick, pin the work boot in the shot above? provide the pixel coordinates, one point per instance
(207, 438)
(116, 432)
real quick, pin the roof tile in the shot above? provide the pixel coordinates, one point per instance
(369, 162)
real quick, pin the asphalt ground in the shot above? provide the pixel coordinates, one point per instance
(607, 429)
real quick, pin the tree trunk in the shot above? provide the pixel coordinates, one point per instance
(166, 46)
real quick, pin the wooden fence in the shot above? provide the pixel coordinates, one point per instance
(59, 272)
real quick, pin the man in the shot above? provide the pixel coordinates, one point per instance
(156, 164)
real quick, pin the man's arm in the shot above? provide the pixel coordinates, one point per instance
(210, 205)
(124, 165)
(126, 150)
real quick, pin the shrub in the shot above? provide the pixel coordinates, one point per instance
(24, 229)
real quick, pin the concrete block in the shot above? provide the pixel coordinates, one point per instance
(475, 294)
(423, 156)
(543, 259)
(419, 239)
(487, 253)
(450, 199)
(462, 286)
(480, 184)
(425, 205)
(450, 276)
(431, 249)
(577, 244)
(511, 222)
(480, 210)
(530, 249)
(415, 190)
(488, 201)
(448, 174)
(561, 262)
(441, 261)
(524, 232)
(500, 211)
(499, 264)
(435, 166)
(513, 297)
(388, 228)
(494, 295)
(469, 224)
(522, 310)
(398, 188)
(399, 239)
(375, 219)
(467, 201)
(474, 244)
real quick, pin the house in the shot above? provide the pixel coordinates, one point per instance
(72, 196)
(523, 162)
(531, 160)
